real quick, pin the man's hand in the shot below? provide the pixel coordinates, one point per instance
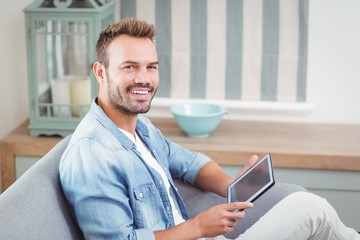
(252, 160)
(220, 219)
(215, 221)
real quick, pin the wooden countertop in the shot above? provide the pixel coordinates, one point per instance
(292, 145)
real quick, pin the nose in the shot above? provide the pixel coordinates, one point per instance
(142, 76)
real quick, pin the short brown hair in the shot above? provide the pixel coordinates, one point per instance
(128, 26)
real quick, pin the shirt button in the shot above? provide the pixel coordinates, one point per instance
(141, 195)
(168, 208)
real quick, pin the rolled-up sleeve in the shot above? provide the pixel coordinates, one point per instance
(185, 164)
(144, 233)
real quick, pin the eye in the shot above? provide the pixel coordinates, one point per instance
(153, 67)
(129, 67)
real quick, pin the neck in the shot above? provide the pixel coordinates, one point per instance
(124, 121)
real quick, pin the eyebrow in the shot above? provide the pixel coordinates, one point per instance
(132, 62)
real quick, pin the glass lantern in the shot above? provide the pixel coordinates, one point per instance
(61, 37)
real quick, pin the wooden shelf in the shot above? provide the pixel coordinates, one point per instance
(292, 145)
(20, 143)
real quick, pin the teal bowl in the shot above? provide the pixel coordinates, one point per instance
(198, 119)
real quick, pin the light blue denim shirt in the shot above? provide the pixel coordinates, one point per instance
(110, 189)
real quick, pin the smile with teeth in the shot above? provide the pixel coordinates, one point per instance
(141, 92)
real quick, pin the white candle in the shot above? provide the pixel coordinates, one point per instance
(60, 93)
(80, 91)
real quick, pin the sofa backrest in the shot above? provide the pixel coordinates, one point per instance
(34, 206)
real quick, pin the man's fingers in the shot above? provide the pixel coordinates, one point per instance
(238, 206)
(252, 160)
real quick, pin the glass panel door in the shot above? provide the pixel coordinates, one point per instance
(62, 68)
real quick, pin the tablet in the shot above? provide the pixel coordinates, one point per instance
(253, 183)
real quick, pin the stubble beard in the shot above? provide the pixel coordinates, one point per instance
(121, 102)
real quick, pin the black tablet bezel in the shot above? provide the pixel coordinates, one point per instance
(267, 157)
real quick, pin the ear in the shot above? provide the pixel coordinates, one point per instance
(99, 71)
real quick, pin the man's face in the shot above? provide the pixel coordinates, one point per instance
(132, 76)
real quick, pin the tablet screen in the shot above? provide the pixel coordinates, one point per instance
(253, 183)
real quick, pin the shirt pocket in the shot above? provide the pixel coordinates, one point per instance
(146, 208)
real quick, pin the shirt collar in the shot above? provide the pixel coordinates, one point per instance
(141, 127)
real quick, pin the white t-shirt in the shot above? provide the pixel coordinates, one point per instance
(153, 163)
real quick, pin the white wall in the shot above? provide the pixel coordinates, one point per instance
(13, 81)
(334, 61)
(333, 65)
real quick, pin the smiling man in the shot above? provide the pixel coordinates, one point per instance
(118, 169)
(127, 84)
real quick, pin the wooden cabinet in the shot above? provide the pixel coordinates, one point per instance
(20, 143)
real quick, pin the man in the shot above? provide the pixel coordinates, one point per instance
(117, 171)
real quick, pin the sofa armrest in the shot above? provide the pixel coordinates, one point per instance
(197, 201)
(34, 206)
